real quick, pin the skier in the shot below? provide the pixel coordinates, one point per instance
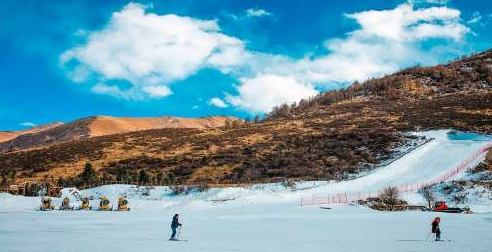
(435, 228)
(174, 225)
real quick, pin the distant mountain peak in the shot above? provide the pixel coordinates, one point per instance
(100, 125)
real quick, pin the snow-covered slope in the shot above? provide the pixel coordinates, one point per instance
(423, 164)
(260, 218)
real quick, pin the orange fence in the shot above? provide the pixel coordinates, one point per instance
(347, 197)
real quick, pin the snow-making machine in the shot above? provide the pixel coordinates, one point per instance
(123, 204)
(105, 205)
(65, 206)
(46, 204)
(440, 206)
(85, 205)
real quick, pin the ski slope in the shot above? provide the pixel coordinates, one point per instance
(260, 218)
(426, 163)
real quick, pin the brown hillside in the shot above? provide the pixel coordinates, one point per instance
(9, 135)
(330, 136)
(105, 125)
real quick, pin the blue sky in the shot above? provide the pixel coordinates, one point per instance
(62, 60)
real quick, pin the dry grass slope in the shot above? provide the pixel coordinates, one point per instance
(330, 136)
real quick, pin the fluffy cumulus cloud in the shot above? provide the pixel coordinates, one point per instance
(386, 41)
(408, 24)
(260, 94)
(150, 52)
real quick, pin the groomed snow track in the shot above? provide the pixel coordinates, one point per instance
(433, 163)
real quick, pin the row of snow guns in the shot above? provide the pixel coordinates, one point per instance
(104, 205)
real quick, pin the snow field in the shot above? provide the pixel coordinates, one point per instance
(260, 218)
(255, 227)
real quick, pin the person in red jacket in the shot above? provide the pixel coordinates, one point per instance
(435, 228)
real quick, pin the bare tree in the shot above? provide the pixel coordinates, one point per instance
(247, 121)
(4, 181)
(390, 196)
(257, 119)
(428, 195)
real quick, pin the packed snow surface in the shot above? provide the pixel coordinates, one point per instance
(259, 218)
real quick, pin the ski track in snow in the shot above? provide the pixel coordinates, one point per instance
(261, 218)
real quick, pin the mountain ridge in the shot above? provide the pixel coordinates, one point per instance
(11, 134)
(102, 125)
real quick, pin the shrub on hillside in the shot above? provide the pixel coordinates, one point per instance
(185, 189)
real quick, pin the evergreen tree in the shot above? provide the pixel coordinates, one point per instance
(144, 177)
(89, 175)
(170, 178)
(61, 182)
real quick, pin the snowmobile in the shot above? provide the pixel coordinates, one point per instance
(123, 204)
(65, 206)
(104, 204)
(46, 204)
(441, 206)
(86, 204)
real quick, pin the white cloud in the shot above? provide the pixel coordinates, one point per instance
(476, 18)
(150, 51)
(257, 13)
(131, 93)
(386, 41)
(262, 93)
(115, 91)
(157, 91)
(406, 23)
(28, 124)
(217, 102)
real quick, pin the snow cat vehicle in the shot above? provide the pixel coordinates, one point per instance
(86, 204)
(123, 204)
(441, 206)
(46, 204)
(65, 206)
(105, 205)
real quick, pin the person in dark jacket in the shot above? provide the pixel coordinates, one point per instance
(435, 228)
(174, 225)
